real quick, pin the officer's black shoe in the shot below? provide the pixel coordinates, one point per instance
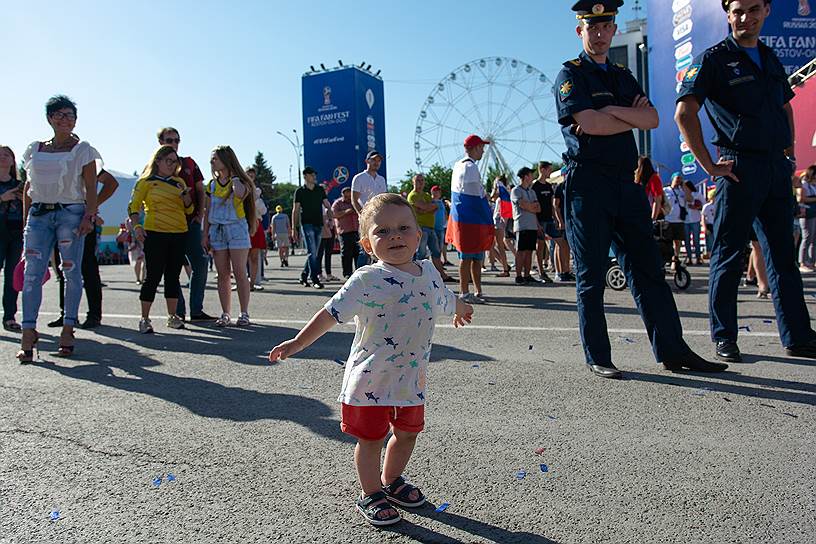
(606, 371)
(91, 323)
(807, 350)
(727, 350)
(56, 323)
(692, 361)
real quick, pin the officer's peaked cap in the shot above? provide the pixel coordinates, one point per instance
(596, 11)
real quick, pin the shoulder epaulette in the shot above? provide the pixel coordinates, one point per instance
(621, 66)
(574, 62)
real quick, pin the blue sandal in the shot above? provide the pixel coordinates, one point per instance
(372, 506)
(399, 492)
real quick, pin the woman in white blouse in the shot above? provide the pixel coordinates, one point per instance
(60, 209)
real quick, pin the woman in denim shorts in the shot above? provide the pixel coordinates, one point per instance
(228, 225)
(60, 199)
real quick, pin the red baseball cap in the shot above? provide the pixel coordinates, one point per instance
(473, 141)
(436, 188)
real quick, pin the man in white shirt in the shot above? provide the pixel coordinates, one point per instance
(693, 218)
(364, 186)
(679, 197)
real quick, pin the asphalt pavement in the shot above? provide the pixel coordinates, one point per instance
(190, 436)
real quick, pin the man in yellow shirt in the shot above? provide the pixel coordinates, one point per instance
(425, 210)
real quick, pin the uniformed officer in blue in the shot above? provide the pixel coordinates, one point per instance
(599, 105)
(746, 94)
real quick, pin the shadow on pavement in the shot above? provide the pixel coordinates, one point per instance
(201, 397)
(741, 388)
(470, 525)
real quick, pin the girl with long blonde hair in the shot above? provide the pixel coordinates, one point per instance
(228, 224)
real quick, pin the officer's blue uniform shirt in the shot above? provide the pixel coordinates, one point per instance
(744, 100)
(584, 85)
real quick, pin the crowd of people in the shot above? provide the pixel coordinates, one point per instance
(606, 197)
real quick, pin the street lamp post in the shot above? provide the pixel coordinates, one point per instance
(296, 147)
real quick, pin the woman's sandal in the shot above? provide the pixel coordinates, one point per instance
(63, 350)
(399, 492)
(372, 506)
(27, 355)
(11, 325)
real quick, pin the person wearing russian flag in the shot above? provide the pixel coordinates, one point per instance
(470, 224)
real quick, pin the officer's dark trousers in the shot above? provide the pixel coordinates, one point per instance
(761, 198)
(606, 208)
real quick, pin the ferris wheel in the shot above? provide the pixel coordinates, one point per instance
(503, 100)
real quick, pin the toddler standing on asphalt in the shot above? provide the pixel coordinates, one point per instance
(394, 304)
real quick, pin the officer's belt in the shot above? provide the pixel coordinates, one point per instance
(606, 169)
(728, 152)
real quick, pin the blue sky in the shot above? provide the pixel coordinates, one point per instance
(230, 73)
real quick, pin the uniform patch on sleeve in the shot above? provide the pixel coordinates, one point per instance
(693, 72)
(565, 89)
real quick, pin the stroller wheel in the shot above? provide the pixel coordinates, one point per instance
(682, 279)
(615, 278)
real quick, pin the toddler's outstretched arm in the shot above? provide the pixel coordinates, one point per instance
(464, 313)
(319, 325)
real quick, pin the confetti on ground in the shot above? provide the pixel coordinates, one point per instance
(531, 347)
(521, 474)
(726, 399)
(745, 328)
(548, 361)
(54, 515)
(790, 415)
(539, 451)
(701, 392)
(626, 340)
(442, 507)
(544, 468)
(171, 477)
(157, 481)
(339, 362)
(474, 366)
(491, 383)
(552, 417)
(768, 321)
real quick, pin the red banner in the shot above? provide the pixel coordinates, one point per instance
(804, 115)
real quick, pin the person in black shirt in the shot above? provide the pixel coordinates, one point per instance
(544, 194)
(307, 211)
(11, 233)
(747, 98)
(599, 104)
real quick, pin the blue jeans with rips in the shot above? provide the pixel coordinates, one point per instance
(60, 227)
(311, 237)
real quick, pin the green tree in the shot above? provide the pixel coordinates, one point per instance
(265, 178)
(436, 175)
(22, 175)
(284, 195)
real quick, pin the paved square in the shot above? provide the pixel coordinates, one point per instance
(257, 455)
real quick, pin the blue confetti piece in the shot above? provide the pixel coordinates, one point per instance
(544, 468)
(157, 481)
(474, 366)
(701, 392)
(171, 477)
(767, 321)
(442, 507)
(521, 474)
(745, 328)
(552, 417)
(339, 362)
(54, 515)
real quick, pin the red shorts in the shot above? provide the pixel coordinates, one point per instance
(374, 422)
(258, 240)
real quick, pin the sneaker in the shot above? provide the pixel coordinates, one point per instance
(175, 322)
(449, 279)
(565, 277)
(223, 321)
(91, 323)
(304, 280)
(201, 317)
(145, 326)
(317, 285)
(322, 279)
(520, 280)
(545, 278)
(493, 268)
(331, 278)
(257, 287)
(749, 283)
(243, 320)
(470, 298)
(531, 279)
(56, 323)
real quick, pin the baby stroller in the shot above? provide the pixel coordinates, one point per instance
(616, 279)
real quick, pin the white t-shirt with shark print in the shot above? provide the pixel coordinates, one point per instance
(394, 312)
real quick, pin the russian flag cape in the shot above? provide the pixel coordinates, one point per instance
(505, 206)
(470, 223)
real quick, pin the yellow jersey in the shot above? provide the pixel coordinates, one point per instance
(220, 197)
(164, 208)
